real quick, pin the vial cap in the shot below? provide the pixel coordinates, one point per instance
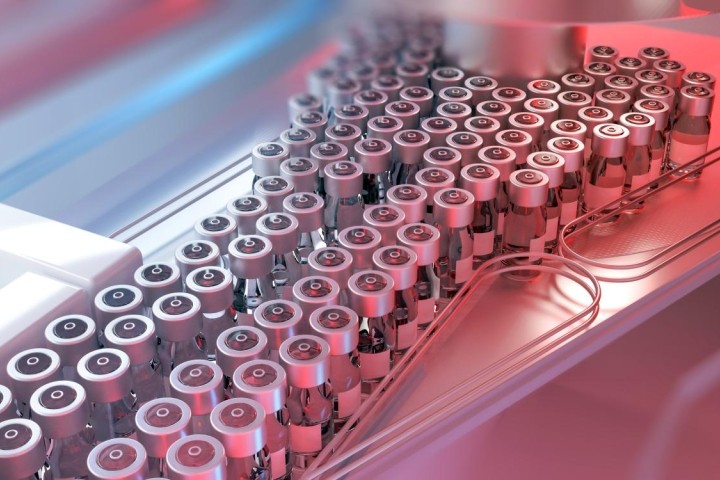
(332, 262)
(621, 82)
(374, 155)
(528, 188)
(117, 300)
(105, 375)
(516, 140)
(157, 279)
(407, 112)
(528, 122)
(481, 180)
(306, 359)
(510, 95)
(598, 70)
(421, 96)
(350, 112)
(467, 143)
(549, 163)
(22, 448)
(443, 158)
(196, 456)
(657, 109)
(570, 149)
(640, 127)
(658, 92)
(499, 157)
(371, 293)
(118, 459)
(344, 133)
(213, 286)
(433, 179)
(315, 291)
(423, 239)
(568, 128)
(298, 141)
(455, 94)
(264, 381)
(326, 153)
(543, 88)
(697, 78)
(454, 110)
(196, 254)
(409, 146)
(617, 101)
(609, 140)
(32, 368)
(71, 336)
(279, 320)
(481, 87)
(652, 53)
(281, 229)
(238, 345)
(696, 100)
(592, 116)
(454, 207)
(134, 335)
(400, 263)
(177, 316)
(383, 127)
(603, 53)
(307, 208)
(343, 179)
(220, 229)
(438, 128)
(360, 241)
(410, 199)
(386, 219)
(61, 408)
(570, 102)
(495, 109)
(160, 422)
(301, 172)
(267, 157)
(199, 383)
(251, 256)
(338, 326)
(579, 82)
(629, 65)
(239, 423)
(650, 77)
(546, 108)
(273, 190)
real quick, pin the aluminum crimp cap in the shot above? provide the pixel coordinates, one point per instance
(703, 79)
(673, 69)
(315, 291)
(409, 146)
(603, 53)
(481, 180)
(421, 96)
(117, 300)
(495, 109)
(658, 109)
(658, 92)
(566, 127)
(410, 199)
(7, 405)
(516, 140)
(570, 103)
(264, 381)
(445, 77)
(339, 326)
(71, 336)
(549, 163)
(408, 113)
(306, 359)
(361, 242)
(609, 140)
(246, 210)
(279, 320)
(374, 155)
(61, 408)
(400, 263)
(499, 157)
(372, 293)
(302, 173)
(282, 229)
(454, 207)
(325, 153)
(118, 459)
(342, 90)
(640, 126)
(177, 317)
(196, 457)
(386, 219)
(314, 121)
(444, 158)
(31, 369)
(332, 262)
(267, 157)
(481, 88)
(593, 116)
(617, 101)
(161, 422)
(484, 126)
(653, 53)
(696, 100)
(629, 65)
(547, 108)
(528, 122)
(543, 88)
(455, 94)
(467, 143)
(239, 423)
(251, 256)
(303, 102)
(307, 208)
(528, 188)
(598, 71)
(105, 374)
(157, 279)
(199, 383)
(273, 190)
(383, 127)
(434, 179)
(510, 95)
(134, 335)
(354, 114)
(578, 82)
(196, 254)
(570, 149)
(438, 128)
(298, 142)
(220, 229)
(454, 110)
(22, 448)
(372, 99)
(344, 133)
(623, 83)
(343, 179)
(239, 345)
(213, 286)
(651, 77)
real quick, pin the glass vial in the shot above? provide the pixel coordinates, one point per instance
(408, 148)
(454, 209)
(386, 219)
(200, 384)
(691, 131)
(553, 166)
(22, 449)
(433, 180)
(374, 155)
(246, 210)
(503, 159)
(278, 320)
(572, 151)
(283, 231)
(638, 156)
(118, 459)
(161, 422)
(344, 201)
(313, 292)
(483, 182)
(197, 456)
(411, 199)
(30, 370)
(424, 240)
(660, 111)
(308, 209)
(251, 261)
(239, 345)
(605, 171)
(302, 173)
(71, 336)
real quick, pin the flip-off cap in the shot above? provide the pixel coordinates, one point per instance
(481, 88)
(657, 109)
(510, 95)
(383, 127)
(530, 123)
(353, 114)
(302, 102)
(407, 113)
(445, 77)
(160, 422)
(343, 179)
(118, 459)
(571, 102)
(332, 262)
(251, 256)
(566, 127)
(372, 293)
(306, 359)
(238, 345)
(239, 423)
(423, 239)
(517, 141)
(549, 163)
(246, 210)
(344, 133)
(467, 143)
(443, 157)
(480, 180)
(454, 207)
(196, 254)
(673, 69)
(71, 336)
(338, 326)
(623, 83)
(374, 155)
(213, 286)
(653, 53)
(157, 279)
(278, 319)
(372, 99)
(593, 116)
(455, 94)
(570, 149)
(220, 229)
(31, 369)
(307, 208)
(301, 172)
(298, 142)
(609, 140)
(410, 199)
(199, 383)
(360, 241)
(502, 158)
(658, 92)
(264, 381)
(61, 408)
(696, 100)
(602, 53)
(434, 179)
(273, 190)
(326, 153)
(454, 110)
(617, 101)
(400, 263)
(413, 73)
(341, 91)
(640, 127)
(386, 219)
(313, 121)
(134, 335)
(543, 88)
(651, 77)
(105, 374)
(421, 96)
(177, 316)
(267, 157)
(598, 71)
(282, 229)
(495, 109)
(409, 146)
(315, 291)
(528, 188)
(112, 302)
(579, 82)
(697, 78)
(438, 128)
(22, 448)
(484, 126)
(196, 457)
(546, 108)
(629, 65)
(389, 84)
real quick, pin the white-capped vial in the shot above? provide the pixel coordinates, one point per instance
(691, 131)
(660, 112)
(220, 229)
(579, 82)
(413, 74)
(7, 404)
(530, 123)
(283, 231)
(341, 92)
(115, 301)
(297, 142)
(251, 261)
(71, 336)
(638, 155)
(617, 101)
(424, 240)
(481, 88)
(313, 292)
(408, 148)
(161, 422)
(453, 216)
(62, 410)
(383, 127)
(135, 335)
(22, 449)
(566, 127)
(390, 85)
(272, 189)
(457, 95)
(301, 172)
(518, 141)
(495, 109)
(468, 144)
(278, 320)
(552, 165)
(483, 181)
(592, 117)
(267, 157)
(265, 381)
(343, 199)
(339, 327)
(442, 157)
(196, 254)
(698, 79)
(651, 77)
(572, 152)
(629, 65)
(157, 279)
(375, 157)
(623, 83)
(459, 112)
(484, 126)
(239, 424)
(316, 122)
(319, 79)
(602, 53)
(514, 97)
(324, 154)
(599, 71)
(178, 321)
(445, 77)
(650, 54)
(433, 179)
(28, 371)
(421, 96)
(372, 99)
(438, 128)
(353, 114)
(543, 88)
(525, 226)
(363, 73)
(503, 159)
(605, 171)
(386, 219)
(200, 384)
(118, 459)
(346, 134)
(197, 457)
(570, 103)
(406, 112)
(361, 242)
(238, 345)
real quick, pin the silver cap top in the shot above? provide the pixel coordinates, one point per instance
(374, 155)
(315, 291)
(196, 457)
(454, 207)
(650, 77)
(32, 368)
(267, 157)
(264, 381)
(61, 408)
(157, 279)
(400, 263)
(640, 126)
(213, 286)
(306, 359)
(371, 293)
(629, 65)
(528, 122)
(566, 127)
(251, 256)
(343, 179)
(658, 109)
(105, 374)
(480, 180)
(423, 239)
(199, 383)
(238, 345)
(653, 53)
(433, 179)
(301, 172)
(409, 146)
(499, 157)
(579, 82)
(118, 459)
(337, 325)
(239, 423)
(695, 77)
(592, 116)
(22, 448)
(134, 335)
(282, 229)
(177, 316)
(160, 422)
(696, 100)
(408, 198)
(325, 153)
(658, 92)
(360, 241)
(307, 208)
(196, 254)
(528, 188)
(609, 140)
(71, 336)
(333, 262)
(386, 219)
(279, 320)
(570, 149)
(274, 190)
(117, 300)
(551, 164)
(602, 53)
(543, 88)
(443, 157)
(221, 229)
